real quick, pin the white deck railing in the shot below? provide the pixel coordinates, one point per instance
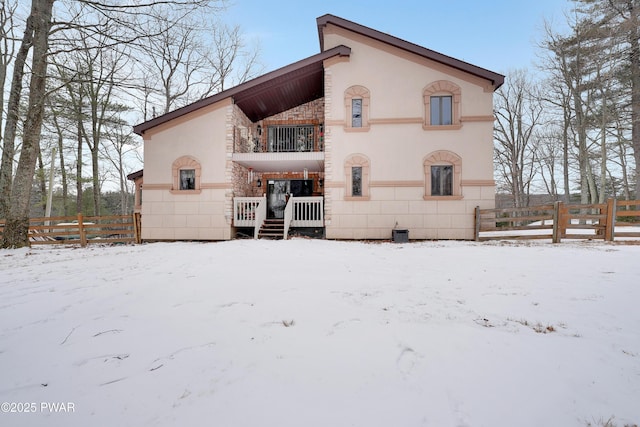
(246, 210)
(288, 217)
(307, 212)
(261, 215)
(299, 212)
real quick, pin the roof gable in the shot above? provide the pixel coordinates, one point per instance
(495, 79)
(269, 94)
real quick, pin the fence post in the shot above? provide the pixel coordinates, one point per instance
(83, 236)
(610, 224)
(556, 222)
(477, 224)
(136, 227)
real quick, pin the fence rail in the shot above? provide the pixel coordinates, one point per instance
(81, 230)
(606, 221)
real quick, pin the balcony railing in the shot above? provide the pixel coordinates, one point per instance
(281, 139)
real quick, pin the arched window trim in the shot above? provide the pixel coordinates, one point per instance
(357, 160)
(184, 163)
(445, 158)
(357, 92)
(442, 87)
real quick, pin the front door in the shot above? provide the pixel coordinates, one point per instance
(279, 190)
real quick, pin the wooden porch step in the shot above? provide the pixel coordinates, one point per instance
(272, 229)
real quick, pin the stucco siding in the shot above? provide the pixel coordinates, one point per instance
(168, 214)
(397, 142)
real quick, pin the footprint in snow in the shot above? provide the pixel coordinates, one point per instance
(407, 360)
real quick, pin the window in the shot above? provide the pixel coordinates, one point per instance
(187, 179)
(441, 180)
(442, 106)
(356, 113)
(356, 103)
(441, 113)
(356, 177)
(442, 175)
(356, 181)
(186, 175)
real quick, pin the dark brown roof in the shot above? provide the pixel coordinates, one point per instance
(133, 175)
(496, 79)
(303, 81)
(269, 94)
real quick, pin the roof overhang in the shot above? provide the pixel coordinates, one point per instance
(496, 79)
(135, 175)
(267, 95)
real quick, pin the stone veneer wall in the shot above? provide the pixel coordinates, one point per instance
(310, 112)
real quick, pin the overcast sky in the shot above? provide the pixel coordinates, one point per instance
(499, 35)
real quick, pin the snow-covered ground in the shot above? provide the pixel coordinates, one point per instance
(321, 333)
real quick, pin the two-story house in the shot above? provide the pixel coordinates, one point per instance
(372, 134)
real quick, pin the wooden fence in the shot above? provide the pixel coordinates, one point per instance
(81, 230)
(606, 221)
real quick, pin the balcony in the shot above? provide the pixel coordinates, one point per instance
(280, 148)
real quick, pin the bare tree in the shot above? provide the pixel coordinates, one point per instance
(7, 47)
(13, 105)
(622, 17)
(229, 57)
(518, 114)
(117, 146)
(130, 21)
(573, 62)
(192, 60)
(16, 229)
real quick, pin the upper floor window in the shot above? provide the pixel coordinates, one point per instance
(186, 172)
(442, 105)
(356, 102)
(356, 113)
(441, 113)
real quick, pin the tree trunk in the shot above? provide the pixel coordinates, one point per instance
(42, 182)
(13, 106)
(79, 162)
(634, 65)
(96, 180)
(16, 231)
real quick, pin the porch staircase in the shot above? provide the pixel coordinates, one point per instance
(272, 229)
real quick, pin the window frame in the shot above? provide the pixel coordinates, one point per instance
(439, 89)
(352, 93)
(185, 163)
(441, 110)
(357, 161)
(443, 158)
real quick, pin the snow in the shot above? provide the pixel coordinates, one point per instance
(321, 333)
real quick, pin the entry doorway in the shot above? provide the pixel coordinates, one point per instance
(279, 190)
